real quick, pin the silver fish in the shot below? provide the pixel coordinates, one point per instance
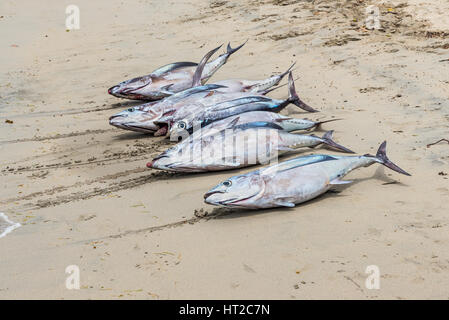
(141, 118)
(291, 182)
(169, 79)
(184, 119)
(285, 122)
(242, 146)
(253, 86)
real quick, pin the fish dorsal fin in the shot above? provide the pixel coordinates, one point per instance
(259, 124)
(172, 66)
(297, 162)
(199, 69)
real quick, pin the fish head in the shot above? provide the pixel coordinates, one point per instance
(238, 191)
(186, 122)
(166, 160)
(179, 128)
(130, 88)
(135, 119)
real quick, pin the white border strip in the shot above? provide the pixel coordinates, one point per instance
(11, 227)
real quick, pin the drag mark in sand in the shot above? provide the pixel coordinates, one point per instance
(199, 215)
(57, 136)
(95, 192)
(60, 189)
(131, 156)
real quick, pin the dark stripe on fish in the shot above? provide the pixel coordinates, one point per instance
(258, 124)
(192, 91)
(172, 66)
(238, 102)
(302, 161)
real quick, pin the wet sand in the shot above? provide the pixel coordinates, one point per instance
(82, 193)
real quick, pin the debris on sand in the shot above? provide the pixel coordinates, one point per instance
(436, 142)
(6, 225)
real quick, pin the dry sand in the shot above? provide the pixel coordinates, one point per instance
(81, 191)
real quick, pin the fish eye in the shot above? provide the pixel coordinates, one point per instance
(131, 109)
(181, 125)
(227, 183)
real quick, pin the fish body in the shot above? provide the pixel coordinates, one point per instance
(242, 145)
(185, 105)
(286, 123)
(142, 118)
(185, 119)
(291, 182)
(194, 99)
(169, 79)
(252, 86)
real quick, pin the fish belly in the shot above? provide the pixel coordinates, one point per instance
(297, 185)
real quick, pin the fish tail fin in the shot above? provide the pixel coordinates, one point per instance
(275, 88)
(282, 75)
(293, 96)
(381, 157)
(319, 123)
(199, 69)
(230, 50)
(278, 78)
(327, 139)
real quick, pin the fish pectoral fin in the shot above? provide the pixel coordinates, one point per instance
(165, 89)
(287, 204)
(233, 123)
(338, 181)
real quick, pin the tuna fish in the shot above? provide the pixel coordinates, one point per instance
(169, 79)
(291, 182)
(253, 86)
(241, 146)
(286, 123)
(141, 118)
(152, 117)
(186, 118)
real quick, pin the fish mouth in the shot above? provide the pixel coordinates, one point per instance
(129, 127)
(234, 202)
(128, 93)
(139, 129)
(224, 203)
(208, 194)
(151, 164)
(132, 90)
(115, 116)
(112, 90)
(116, 92)
(160, 157)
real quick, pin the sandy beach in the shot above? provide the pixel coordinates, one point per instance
(83, 195)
